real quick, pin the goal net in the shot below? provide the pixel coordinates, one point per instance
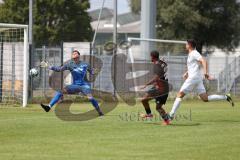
(171, 51)
(13, 64)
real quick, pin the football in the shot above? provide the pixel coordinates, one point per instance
(33, 72)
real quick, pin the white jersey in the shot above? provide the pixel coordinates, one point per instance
(194, 68)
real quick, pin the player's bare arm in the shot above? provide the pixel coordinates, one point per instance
(185, 75)
(153, 80)
(203, 62)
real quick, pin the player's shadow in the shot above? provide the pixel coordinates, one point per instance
(223, 121)
(111, 115)
(175, 124)
(185, 124)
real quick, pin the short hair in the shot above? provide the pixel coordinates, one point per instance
(192, 43)
(76, 51)
(155, 54)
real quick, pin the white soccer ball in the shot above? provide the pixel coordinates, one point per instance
(34, 72)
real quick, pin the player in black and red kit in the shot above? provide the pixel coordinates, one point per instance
(160, 88)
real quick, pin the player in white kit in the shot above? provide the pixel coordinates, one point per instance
(194, 79)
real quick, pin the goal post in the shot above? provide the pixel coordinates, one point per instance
(147, 45)
(172, 51)
(14, 64)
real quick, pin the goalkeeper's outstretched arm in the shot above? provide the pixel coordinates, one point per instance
(58, 68)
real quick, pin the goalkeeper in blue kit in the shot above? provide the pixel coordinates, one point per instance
(79, 71)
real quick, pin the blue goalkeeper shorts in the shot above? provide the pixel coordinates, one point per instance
(73, 89)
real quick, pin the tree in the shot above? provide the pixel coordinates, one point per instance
(54, 20)
(211, 23)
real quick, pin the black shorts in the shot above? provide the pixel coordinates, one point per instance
(162, 99)
(159, 97)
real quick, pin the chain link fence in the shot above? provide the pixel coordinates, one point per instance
(110, 79)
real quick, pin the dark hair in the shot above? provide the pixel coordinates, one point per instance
(192, 43)
(76, 51)
(155, 54)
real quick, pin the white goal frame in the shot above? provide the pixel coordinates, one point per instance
(26, 59)
(130, 39)
(130, 53)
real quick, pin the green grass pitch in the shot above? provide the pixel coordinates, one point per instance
(212, 132)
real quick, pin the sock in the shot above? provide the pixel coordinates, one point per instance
(148, 110)
(164, 117)
(162, 112)
(176, 105)
(216, 97)
(55, 99)
(146, 106)
(95, 104)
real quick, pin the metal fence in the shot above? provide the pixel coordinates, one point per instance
(225, 69)
(40, 84)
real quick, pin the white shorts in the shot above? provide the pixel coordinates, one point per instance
(190, 84)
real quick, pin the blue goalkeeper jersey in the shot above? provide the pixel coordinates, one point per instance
(78, 71)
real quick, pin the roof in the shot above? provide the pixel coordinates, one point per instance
(128, 18)
(106, 13)
(127, 22)
(128, 28)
